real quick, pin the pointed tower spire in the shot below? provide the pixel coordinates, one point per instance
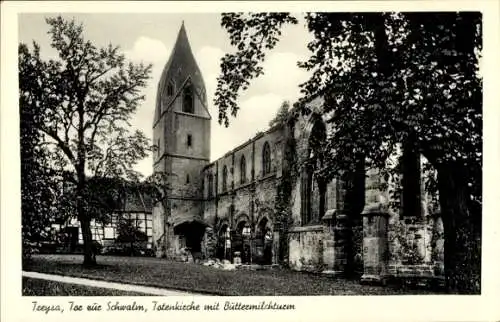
(180, 67)
(181, 131)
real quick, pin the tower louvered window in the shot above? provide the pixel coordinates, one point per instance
(170, 89)
(188, 102)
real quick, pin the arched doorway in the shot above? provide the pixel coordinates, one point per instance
(264, 241)
(224, 242)
(242, 241)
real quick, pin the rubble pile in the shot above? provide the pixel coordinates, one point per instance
(224, 264)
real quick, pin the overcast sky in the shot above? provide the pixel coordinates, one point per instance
(150, 38)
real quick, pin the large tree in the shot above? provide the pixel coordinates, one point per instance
(85, 99)
(38, 183)
(388, 79)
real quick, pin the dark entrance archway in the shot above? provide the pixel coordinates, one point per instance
(264, 241)
(242, 242)
(192, 232)
(223, 242)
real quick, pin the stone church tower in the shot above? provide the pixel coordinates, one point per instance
(181, 132)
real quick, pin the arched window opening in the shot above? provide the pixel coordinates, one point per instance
(188, 102)
(187, 178)
(210, 185)
(189, 140)
(313, 187)
(266, 159)
(224, 179)
(243, 170)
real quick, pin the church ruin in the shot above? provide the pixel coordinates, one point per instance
(262, 202)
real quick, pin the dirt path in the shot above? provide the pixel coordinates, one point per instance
(110, 285)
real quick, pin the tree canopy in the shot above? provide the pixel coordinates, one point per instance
(386, 80)
(39, 184)
(84, 101)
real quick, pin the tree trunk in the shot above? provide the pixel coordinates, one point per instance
(88, 250)
(462, 231)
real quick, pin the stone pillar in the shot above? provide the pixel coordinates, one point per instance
(329, 242)
(170, 242)
(341, 233)
(438, 245)
(375, 237)
(339, 229)
(375, 247)
(276, 247)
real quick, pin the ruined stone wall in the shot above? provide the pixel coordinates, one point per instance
(243, 198)
(415, 247)
(309, 244)
(224, 207)
(416, 242)
(306, 248)
(411, 245)
(257, 189)
(265, 198)
(252, 198)
(158, 231)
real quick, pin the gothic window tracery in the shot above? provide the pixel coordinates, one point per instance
(313, 187)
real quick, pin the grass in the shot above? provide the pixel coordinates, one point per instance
(200, 279)
(38, 287)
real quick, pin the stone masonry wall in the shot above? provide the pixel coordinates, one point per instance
(414, 243)
(158, 231)
(306, 248)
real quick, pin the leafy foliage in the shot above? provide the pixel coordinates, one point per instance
(252, 34)
(383, 76)
(129, 233)
(386, 79)
(158, 185)
(84, 101)
(39, 184)
(102, 196)
(282, 115)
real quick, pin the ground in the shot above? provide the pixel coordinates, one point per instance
(200, 279)
(39, 287)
